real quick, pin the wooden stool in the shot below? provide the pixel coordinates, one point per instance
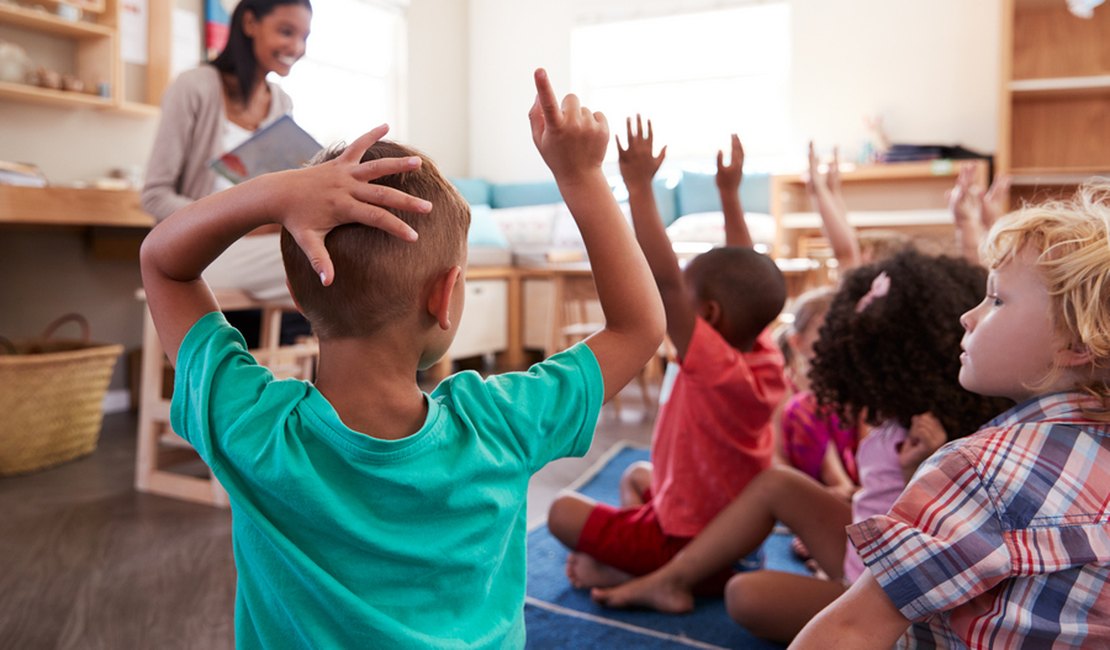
(159, 449)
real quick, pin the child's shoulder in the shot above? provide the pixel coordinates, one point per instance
(565, 373)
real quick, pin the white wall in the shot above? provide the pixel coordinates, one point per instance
(438, 88)
(929, 67)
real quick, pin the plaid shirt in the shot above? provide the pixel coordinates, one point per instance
(1002, 539)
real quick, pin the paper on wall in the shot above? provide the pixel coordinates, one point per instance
(133, 21)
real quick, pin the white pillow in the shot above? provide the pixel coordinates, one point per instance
(709, 228)
(529, 225)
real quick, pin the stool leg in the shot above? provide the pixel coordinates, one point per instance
(150, 396)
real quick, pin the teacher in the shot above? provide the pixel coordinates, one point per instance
(212, 109)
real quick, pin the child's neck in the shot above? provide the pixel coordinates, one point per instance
(371, 383)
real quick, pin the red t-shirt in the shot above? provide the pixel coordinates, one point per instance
(713, 434)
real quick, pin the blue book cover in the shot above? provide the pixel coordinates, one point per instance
(276, 147)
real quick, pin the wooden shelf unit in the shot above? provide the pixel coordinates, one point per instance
(69, 206)
(906, 197)
(96, 59)
(1054, 108)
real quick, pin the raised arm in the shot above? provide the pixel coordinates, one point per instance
(572, 141)
(834, 216)
(638, 167)
(965, 201)
(729, 178)
(308, 202)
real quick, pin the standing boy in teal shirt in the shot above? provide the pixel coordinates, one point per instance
(367, 513)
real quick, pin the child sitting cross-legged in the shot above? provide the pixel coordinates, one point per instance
(366, 513)
(888, 355)
(1002, 539)
(712, 435)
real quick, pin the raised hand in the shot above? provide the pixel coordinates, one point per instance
(996, 201)
(729, 176)
(316, 199)
(637, 164)
(570, 138)
(965, 201)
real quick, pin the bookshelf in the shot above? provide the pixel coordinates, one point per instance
(906, 197)
(1054, 108)
(88, 49)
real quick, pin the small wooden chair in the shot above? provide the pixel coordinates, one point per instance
(572, 298)
(160, 451)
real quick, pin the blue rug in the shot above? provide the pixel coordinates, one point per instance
(559, 616)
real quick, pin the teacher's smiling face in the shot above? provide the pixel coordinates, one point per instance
(279, 36)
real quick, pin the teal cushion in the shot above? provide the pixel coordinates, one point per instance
(666, 199)
(474, 190)
(697, 192)
(514, 195)
(484, 231)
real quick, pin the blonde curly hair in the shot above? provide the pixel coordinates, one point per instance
(1072, 241)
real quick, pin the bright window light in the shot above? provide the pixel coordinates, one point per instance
(350, 80)
(698, 76)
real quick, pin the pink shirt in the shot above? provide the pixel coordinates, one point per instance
(713, 434)
(880, 480)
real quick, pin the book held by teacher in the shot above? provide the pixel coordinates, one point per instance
(278, 146)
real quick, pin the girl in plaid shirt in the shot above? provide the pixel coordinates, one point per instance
(1002, 539)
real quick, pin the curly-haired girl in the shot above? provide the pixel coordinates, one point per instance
(888, 354)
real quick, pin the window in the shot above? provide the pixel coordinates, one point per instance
(351, 78)
(698, 76)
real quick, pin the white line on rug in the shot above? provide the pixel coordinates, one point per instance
(529, 600)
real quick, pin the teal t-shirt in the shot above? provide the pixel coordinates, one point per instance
(342, 540)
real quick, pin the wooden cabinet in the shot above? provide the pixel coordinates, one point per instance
(906, 197)
(1054, 109)
(89, 50)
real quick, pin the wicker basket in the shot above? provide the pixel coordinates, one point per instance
(51, 398)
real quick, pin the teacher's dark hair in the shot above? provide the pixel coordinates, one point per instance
(237, 57)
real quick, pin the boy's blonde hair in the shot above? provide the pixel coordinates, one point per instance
(379, 278)
(1072, 240)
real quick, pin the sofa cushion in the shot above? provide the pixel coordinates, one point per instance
(484, 230)
(474, 190)
(697, 192)
(512, 195)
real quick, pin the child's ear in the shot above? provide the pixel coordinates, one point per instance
(439, 300)
(1075, 354)
(711, 312)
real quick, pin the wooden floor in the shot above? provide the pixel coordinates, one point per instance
(86, 562)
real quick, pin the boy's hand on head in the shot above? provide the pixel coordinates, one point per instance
(570, 138)
(637, 164)
(729, 176)
(316, 199)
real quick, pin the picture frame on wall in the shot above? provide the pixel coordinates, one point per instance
(217, 21)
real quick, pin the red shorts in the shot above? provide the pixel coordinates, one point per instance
(631, 539)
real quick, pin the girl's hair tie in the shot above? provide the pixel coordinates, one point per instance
(880, 286)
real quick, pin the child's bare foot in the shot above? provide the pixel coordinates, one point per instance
(584, 572)
(651, 591)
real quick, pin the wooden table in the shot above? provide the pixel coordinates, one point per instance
(70, 206)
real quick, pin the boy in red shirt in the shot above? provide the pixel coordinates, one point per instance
(713, 433)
